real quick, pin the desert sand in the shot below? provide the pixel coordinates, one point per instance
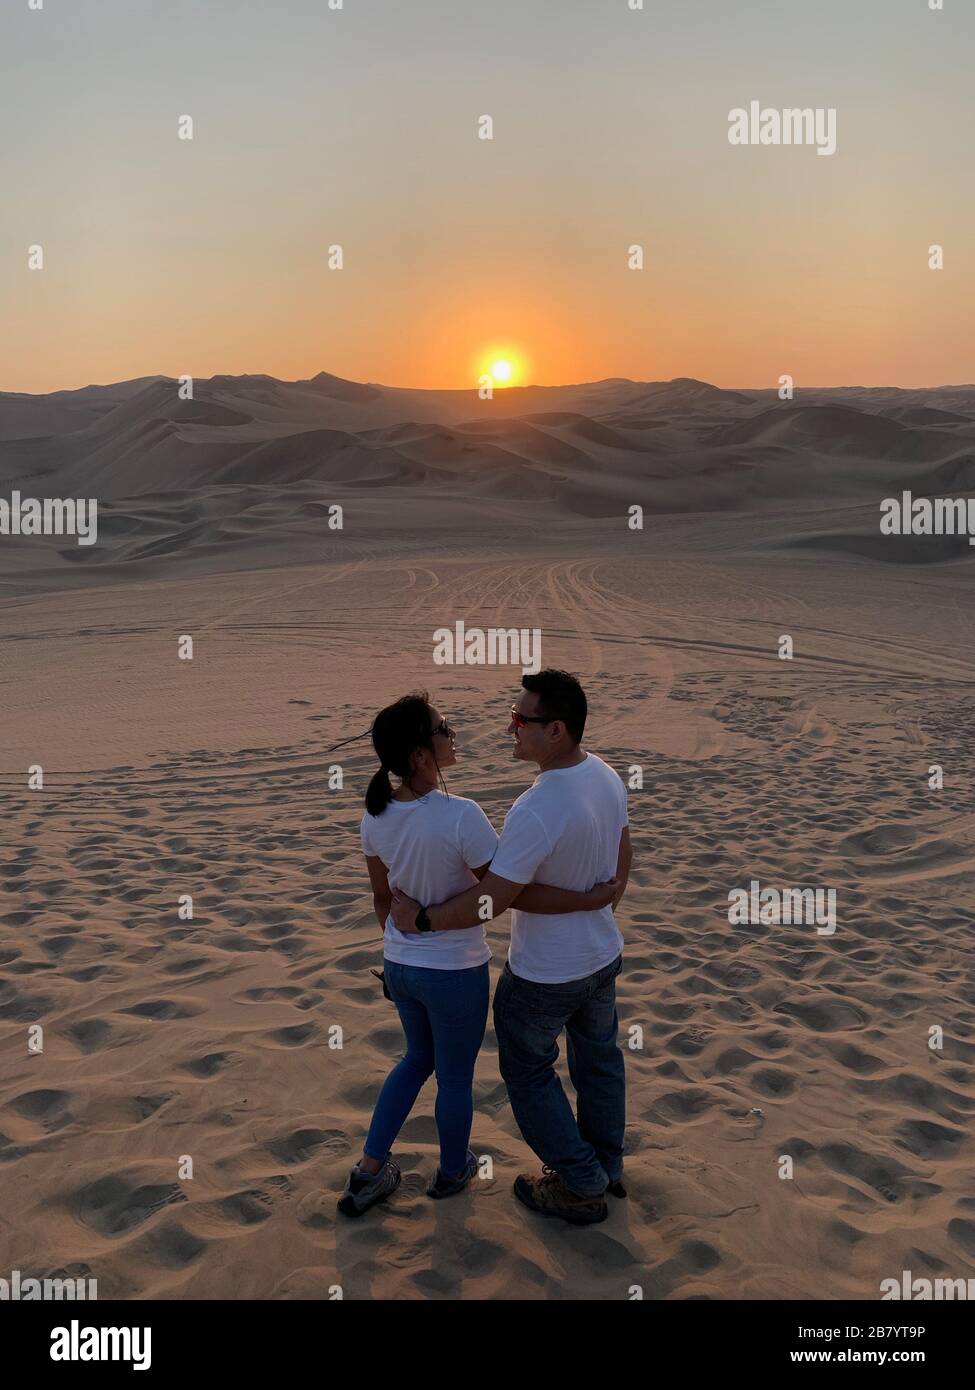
(211, 1038)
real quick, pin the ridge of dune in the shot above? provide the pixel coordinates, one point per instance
(594, 450)
(834, 424)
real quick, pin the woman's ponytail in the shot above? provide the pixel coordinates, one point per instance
(379, 793)
(397, 732)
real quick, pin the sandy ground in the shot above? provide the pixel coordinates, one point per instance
(211, 1037)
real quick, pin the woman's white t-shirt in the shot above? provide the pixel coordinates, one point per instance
(429, 848)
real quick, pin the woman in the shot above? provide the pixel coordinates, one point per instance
(432, 846)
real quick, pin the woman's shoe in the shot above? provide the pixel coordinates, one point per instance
(444, 1186)
(364, 1190)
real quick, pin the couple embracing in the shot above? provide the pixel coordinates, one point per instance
(561, 863)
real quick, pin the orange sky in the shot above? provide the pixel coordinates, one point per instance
(610, 128)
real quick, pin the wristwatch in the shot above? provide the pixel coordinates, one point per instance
(423, 922)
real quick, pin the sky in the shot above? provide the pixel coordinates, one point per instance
(358, 127)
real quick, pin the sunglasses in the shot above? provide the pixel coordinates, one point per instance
(521, 721)
(443, 728)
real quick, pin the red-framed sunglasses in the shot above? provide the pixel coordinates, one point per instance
(522, 720)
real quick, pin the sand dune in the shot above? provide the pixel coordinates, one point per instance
(590, 453)
(210, 1038)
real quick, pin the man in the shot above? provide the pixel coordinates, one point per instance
(569, 829)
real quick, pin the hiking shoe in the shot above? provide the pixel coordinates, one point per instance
(444, 1186)
(616, 1189)
(549, 1196)
(364, 1190)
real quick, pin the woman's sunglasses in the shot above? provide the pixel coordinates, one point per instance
(443, 728)
(521, 721)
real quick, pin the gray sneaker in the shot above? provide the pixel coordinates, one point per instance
(444, 1186)
(364, 1190)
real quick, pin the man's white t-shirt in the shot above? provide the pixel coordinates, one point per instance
(564, 831)
(429, 847)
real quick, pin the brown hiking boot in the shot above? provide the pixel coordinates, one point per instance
(549, 1196)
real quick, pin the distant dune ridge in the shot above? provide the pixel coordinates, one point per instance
(178, 477)
(211, 1037)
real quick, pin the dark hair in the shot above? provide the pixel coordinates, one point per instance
(397, 732)
(560, 696)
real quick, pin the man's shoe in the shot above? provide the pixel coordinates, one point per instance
(444, 1186)
(364, 1190)
(549, 1196)
(616, 1189)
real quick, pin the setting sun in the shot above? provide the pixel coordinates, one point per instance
(502, 365)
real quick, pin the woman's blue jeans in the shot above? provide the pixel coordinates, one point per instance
(444, 1014)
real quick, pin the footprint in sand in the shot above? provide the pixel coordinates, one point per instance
(303, 1144)
(209, 1064)
(115, 1204)
(51, 1110)
(826, 1015)
(162, 1009)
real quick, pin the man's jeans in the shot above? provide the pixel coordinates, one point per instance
(586, 1150)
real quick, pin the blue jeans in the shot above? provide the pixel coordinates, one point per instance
(444, 1014)
(585, 1149)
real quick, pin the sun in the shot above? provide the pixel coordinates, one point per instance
(500, 364)
(502, 369)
